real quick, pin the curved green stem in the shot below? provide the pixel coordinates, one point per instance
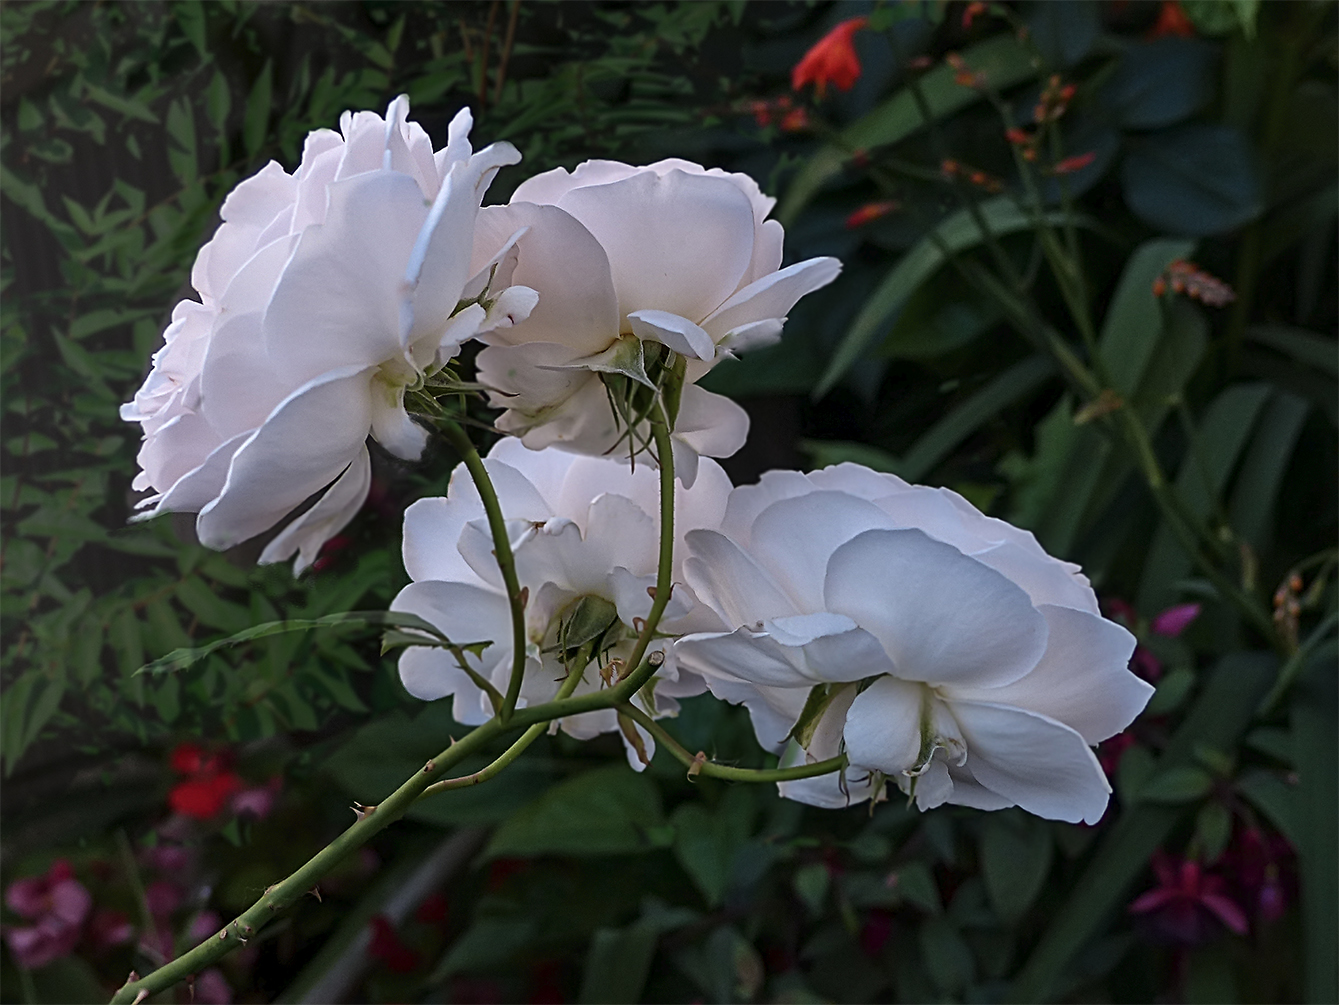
(660, 432)
(506, 562)
(699, 765)
(533, 733)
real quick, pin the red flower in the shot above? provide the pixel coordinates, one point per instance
(1172, 20)
(1187, 901)
(1071, 164)
(869, 212)
(209, 784)
(831, 60)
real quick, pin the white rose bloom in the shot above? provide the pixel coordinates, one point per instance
(581, 527)
(956, 657)
(323, 295)
(669, 253)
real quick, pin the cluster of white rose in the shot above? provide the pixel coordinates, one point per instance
(938, 649)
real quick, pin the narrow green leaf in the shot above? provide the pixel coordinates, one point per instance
(190, 16)
(218, 101)
(1261, 477)
(957, 233)
(180, 659)
(129, 107)
(1013, 385)
(1134, 321)
(256, 122)
(1209, 461)
(1304, 346)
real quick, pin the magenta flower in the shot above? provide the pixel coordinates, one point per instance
(1173, 621)
(58, 904)
(1187, 901)
(1169, 624)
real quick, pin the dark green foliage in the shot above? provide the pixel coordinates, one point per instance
(124, 125)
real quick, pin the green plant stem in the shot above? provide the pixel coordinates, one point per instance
(698, 765)
(506, 562)
(371, 821)
(660, 432)
(533, 733)
(1296, 663)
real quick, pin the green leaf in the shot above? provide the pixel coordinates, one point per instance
(608, 811)
(946, 957)
(218, 100)
(129, 107)
(190, 15)
(1181, 784)
(256, 122)
(1172, 691)
(958, 232)
(488, 942)
(707, 841)
(1275, 797)
(1016, 851)
(180, 659)
(1004, 61)
(1218, 719)
(619, 959)
(1134, 322)
(1193, 179)
(1260, 479)
(30, 117)
(181, 128)
(1304, 346)
(1213, 828)
(811, 884)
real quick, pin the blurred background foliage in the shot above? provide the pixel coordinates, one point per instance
(975, 259)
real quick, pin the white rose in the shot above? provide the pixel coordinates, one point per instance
(669, 253)
(956, 657)
(581, 527)
(323, 295)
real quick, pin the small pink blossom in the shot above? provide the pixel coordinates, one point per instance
(1187, 900)
(205, 924)
(1173, 621)
(258, 800)
(58, 903)
(163, 898)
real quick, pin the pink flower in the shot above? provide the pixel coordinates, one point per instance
(258, 800)
(58, 903)
(1173, 621)
(205, 924)
(1187, 900)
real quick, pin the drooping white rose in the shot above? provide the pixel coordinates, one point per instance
(669, 253)
(581, 527)
(951, 654)
(323, 295)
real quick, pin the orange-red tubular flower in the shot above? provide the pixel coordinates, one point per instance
(831, 60)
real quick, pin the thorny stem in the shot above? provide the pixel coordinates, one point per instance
(371, 821)
(574, 675)
(506, 562)
(699, 765)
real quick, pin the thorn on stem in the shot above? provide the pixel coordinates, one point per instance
(430, 767)
(143, 993)
(223, 934)
(651, 592)
(131, 979)
(315, 891)
(360, 811)
(523, 597)
(657, 658)
(695, 768)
